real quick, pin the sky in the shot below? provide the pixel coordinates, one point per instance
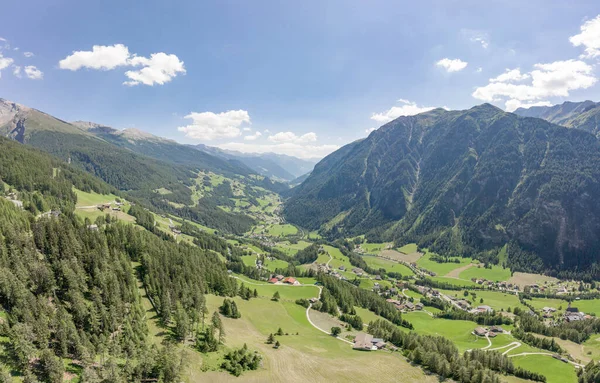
(301, 78)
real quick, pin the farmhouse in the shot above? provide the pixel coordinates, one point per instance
(419, 306)
(291, 281)
(92, 227)
(273, 280)
(496, 329)
(479, 331)
(364, 342)
(482, 309)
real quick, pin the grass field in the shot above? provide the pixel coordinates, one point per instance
(323, 358)
(495, 299)
(287, 293)
(291, 248)
(92, 199)
(374, 248)
(458, 331)
(523, 279)
(496, 273)
(271, 265)
(408, 248)
(389, 266)
(455, 282)
(282, 230)
(554, 370)
(338, 260)
(441, 269)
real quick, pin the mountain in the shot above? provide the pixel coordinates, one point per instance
(156, 171)
(277, 166)
(464, 183)
(583, 115)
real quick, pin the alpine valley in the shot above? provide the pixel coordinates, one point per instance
(448, 245)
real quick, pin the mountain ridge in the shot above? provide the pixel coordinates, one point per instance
(463, 183)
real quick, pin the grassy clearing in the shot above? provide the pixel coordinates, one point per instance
(282, 230)
(523, 279)
(92, 199)
(287, 293)
(496, 273)
(292, 248)
(539, 303)
(554, 370)
(389, 266)
(455, 282)
(374, 248)
(457, 331)
(408, 248)
(323, 358)
(339, 259)
(441, 268)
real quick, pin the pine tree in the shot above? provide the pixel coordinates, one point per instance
(271, 339)
(276, 296)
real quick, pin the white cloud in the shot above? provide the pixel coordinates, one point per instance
(290, 137)
(289, 148)
(408, 108)
(511, 75)
(33, 73)
(211, 126)
(100, 57)
(554, 79)
(479, 37)
(479, 70)
(159, 68)
(28, 54)
(247, 129)
(3, 39)
(589, 38)
(252, 137)
(368, 131)
(17, 71)
(5, 62)
(452, 65)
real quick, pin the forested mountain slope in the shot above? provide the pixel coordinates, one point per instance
(69, 295)
(150, 169)
(583, 115)
(464, 183)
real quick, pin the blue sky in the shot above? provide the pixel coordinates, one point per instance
(301, 78)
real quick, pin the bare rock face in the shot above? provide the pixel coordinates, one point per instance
(11, 119)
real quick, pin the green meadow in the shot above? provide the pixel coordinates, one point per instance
(388, 266)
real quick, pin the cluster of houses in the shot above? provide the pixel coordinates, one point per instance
(280, 279)
(405, 305)
(108, 206)
(490, 332)
(572, 314)
(497, 285)
(366, 342)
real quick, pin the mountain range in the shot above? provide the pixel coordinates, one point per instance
(583, 115)
(276, 166)
(464, 183)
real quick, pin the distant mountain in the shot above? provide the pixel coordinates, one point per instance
(464, 183)
(583, 115)
(163, 149)
(276, 166)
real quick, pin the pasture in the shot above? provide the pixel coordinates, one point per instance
(554, 370)
(387, 265)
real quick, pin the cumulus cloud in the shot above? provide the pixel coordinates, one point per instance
(211, 126)
(408, 108)
(511, 75)
(291, 137)
(27, 54)
(252, 137)
(33, 73)
(289, 148)
(5, 62)
(452, 65)
(159, 68)
(554, 79)
(588, 38)
(100, 57)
